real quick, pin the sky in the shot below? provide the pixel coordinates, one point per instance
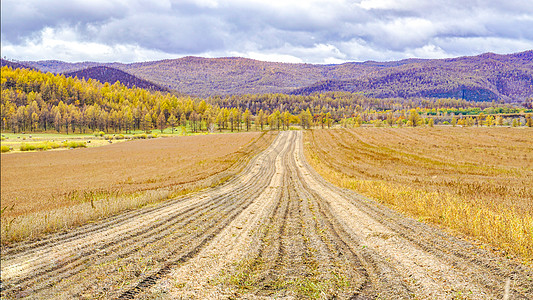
(311, 31)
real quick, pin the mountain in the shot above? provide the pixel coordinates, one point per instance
(222, 76)
(112, 75)
(485, 77)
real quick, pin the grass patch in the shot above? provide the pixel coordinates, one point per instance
(51, 145)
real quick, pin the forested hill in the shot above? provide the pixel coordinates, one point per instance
(112, 75)
(484, 77)
(224, 76)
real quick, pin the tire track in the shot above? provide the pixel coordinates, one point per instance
(24, 247)
(435, 264)
(54, 265)
(275, 230)
(298, 249)
(195, 276)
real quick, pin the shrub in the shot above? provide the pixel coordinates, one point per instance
(27, 147)
(5, 149)
(41, 146)
(73, 144)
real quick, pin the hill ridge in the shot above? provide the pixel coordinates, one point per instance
(490, 76)
(112, 75)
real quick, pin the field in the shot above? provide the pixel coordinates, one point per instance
(476, 181)
(44, 191)
(275, 230)
(14, 141)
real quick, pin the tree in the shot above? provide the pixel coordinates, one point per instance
(529, 120)
(499, 120)
(247, 118)
(414, 118)
(489, 121)
(194, 120)
(146, 122)
(172, 121)
(236, 118)
(261, 118)
(161, 121)
(480, 119)
(306, 119)
(183, 119)
(275, 119)
(390, 119)
(286, 118)
(220, 120)
(57, 120)
(328, 119)
(35, 121)
(358, 121)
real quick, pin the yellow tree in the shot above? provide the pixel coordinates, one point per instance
(172, 122)
(146, 122)
(161, 121)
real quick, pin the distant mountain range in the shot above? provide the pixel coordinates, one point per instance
(485, 77)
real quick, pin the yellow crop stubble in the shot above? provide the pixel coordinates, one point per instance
(477, 181)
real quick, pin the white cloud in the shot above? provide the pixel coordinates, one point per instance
(314, 31)
(63, 44)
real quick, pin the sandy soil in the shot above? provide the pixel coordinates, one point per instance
(276, 230)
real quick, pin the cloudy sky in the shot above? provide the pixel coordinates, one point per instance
(311, 31)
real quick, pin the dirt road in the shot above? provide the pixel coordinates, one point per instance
(277, 230)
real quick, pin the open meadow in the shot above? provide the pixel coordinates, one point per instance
(45, 191)
(476, 181)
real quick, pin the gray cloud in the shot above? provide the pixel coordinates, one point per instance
(318, 31)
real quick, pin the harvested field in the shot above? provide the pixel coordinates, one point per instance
(477, 181)
(81, 182)
(276, 230)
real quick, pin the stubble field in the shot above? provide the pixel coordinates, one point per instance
(44, 191)
(477, 181)
(275, 230)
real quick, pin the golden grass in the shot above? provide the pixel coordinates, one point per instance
(477, 181)
(45, 191)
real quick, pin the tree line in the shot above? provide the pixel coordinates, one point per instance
(36, 101)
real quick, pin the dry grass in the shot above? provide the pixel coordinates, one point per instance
(45, 191)
(478, 181)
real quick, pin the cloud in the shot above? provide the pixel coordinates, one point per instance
(314, 31)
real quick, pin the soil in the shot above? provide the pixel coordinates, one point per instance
(276, 230)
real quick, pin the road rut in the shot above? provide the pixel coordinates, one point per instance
(276, 230)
